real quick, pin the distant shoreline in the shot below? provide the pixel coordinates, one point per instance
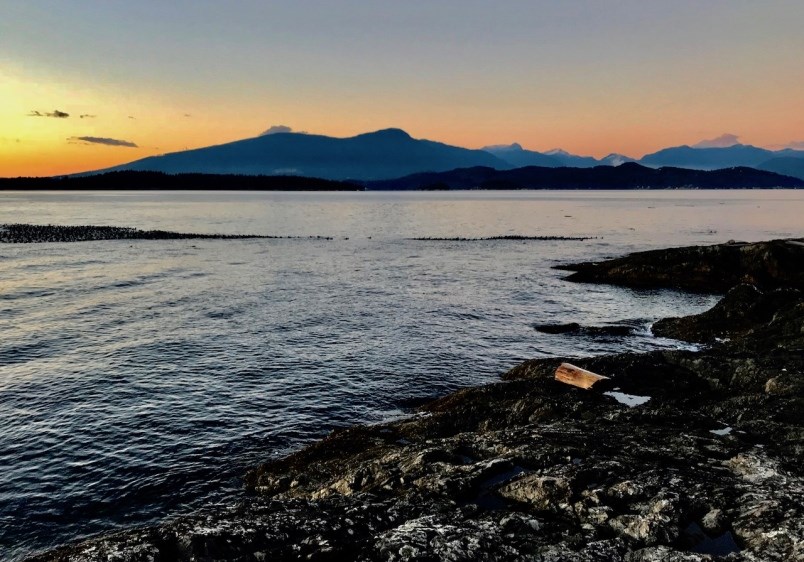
(625, 177)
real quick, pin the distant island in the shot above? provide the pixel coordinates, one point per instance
(626, 176)
(155, 181)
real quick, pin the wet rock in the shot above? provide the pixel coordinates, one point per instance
(558, 328)
(575, 328)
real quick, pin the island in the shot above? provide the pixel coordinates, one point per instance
(625, 176)
(686, 455)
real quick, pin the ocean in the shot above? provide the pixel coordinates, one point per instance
(139, 380)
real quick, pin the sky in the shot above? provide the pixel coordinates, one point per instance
(88, 84)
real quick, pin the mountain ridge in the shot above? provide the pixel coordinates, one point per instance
(392, 153)
(383, 154)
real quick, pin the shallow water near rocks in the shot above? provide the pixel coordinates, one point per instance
(140, 379)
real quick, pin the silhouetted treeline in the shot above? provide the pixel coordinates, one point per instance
(626, 176)
(159, 181)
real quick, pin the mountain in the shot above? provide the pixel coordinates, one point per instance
(615, 159)
(625, 176)
(571, 160)
(392, 153)
(708, 158)
(518, 157)
(388, 153)
(786, 165)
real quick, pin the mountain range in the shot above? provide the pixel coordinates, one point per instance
(393, 153)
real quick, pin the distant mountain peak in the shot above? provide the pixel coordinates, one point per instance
(723, 141)
(514, 146)
(389, 133)
(558, 152)
(615, 159)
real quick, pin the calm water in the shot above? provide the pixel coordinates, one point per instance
(139, 380)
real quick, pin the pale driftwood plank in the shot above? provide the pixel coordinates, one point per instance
(570, 374)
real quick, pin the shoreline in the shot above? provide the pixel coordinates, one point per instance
(529, 468)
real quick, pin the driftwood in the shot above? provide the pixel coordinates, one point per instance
(575, 376)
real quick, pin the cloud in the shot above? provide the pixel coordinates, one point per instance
(55, 113)
(102, 140)
(795, 145)
(723, 141)
(274, 129)
(86, 116)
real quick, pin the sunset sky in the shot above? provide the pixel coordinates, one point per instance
(592, 77)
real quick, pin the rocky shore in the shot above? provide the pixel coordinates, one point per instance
(689, 456)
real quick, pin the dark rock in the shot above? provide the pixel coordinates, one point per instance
(711, 269)
(558, 328)
(575, 328)
(743, 309)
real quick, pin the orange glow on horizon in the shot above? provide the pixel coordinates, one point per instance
(630, 123)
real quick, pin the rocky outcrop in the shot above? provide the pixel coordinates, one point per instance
(709, 464)
(743, 311)
(713, 269)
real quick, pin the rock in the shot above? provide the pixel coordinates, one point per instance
(786, 384)
(714, 521)
(744, 308)
(712, 269)
(558, 328)
(540, 492)
(575, 328)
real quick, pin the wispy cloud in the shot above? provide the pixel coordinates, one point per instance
(723, 141)
(796, 145)
(274, 129)
(102, 140)
(55, 113)
(86, 116)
